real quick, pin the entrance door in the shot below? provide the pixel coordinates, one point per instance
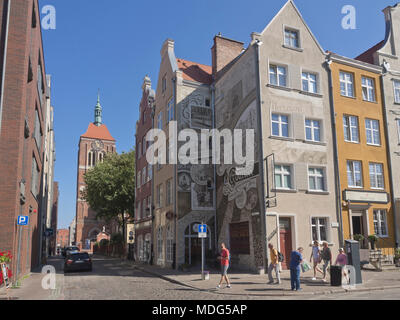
(357, 225)
(285, 241)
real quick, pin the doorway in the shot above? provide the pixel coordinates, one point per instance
(357, 225)
(286, 248)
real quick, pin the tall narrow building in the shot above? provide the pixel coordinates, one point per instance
(23, 112)
(94, 144)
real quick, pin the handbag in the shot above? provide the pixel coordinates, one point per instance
(305, 266)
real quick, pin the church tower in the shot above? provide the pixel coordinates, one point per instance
(94, 144)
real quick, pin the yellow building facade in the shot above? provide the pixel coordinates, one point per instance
(362, 155)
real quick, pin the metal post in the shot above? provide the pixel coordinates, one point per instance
(19, 252)
(202, 258)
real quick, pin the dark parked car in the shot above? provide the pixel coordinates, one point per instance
(68, 250)
(78, 261)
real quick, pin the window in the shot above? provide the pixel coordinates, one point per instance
(350, 126)
(169, 192)
(277, 75)
(139, 179)
(313, 130)
(139, 210)
(280, 125)
(159, 196)
(380, 223)
(318, 226)
(396, 87)
(144, 176)
(368, 89)
(372, 130)
(170, 111)
(398, 128)
(346, 84)
(309, 82)
(149, 172)
(144, 146)
(376, 175)
(292, 38)
(148, 212)
(170, 241)
(316, 178)
(160, 243)
(283, 177)
(164, 84)
(139, 150)
(160, 120)
(144, 207)
(354, 174)
(35, 178)
(38, 131)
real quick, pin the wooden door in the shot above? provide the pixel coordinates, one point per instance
(285, 241)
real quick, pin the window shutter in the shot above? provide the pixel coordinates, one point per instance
(298, 126)
(301, 176)
(294, 77)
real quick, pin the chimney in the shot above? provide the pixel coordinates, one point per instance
(223, 52)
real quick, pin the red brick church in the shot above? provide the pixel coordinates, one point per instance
(94, 144)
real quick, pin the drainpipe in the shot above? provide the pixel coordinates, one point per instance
(4, 61)
(388, 151)
(153, 107)
(214, 167)
(175, 261)
(261, 156)
(339, 216)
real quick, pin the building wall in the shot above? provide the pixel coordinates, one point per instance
(21, 97)
(299, 204)
(63, 238)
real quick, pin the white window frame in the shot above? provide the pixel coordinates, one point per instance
(290, 37)
(347, 127)
(313, 128)
(318, 226)
(377, 220)
(139, 209)
(160, 244)
(346, 81)
(170, 244)
(398, 128)
(354, 172)
(139, 179)
(317, 176)
(372, 130)
(373, 176)
(280, 123)
(284, 174)
(396, 91)
(277, 72)
(307, 76)
(144, 176)
(170, 110)
(160, 120)
(370, 94)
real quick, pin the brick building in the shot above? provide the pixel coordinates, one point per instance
(23, 94)
(54, 219)
(144, 175)
(94, 144)
(62, 238)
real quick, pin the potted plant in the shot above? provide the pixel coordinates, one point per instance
(360, 238)
(373, 238)
(397, 257)
(5, 258)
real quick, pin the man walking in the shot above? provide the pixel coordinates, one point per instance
(274, 265)
(296, 259)
(224, 258)
(326, 256)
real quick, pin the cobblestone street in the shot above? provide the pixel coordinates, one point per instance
(112, 279)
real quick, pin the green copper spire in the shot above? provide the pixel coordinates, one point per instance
(98, 112)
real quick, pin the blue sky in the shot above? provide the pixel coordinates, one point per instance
(112, 44)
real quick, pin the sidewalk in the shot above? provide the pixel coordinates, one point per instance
(256, 285)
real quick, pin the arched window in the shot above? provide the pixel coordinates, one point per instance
(90, 159)
(160, 244)
(170, 241)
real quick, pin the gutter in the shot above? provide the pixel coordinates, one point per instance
(175, 262)
(214, 166)
(339, 213)
(4, 62)
(389, 159)
(264, 241)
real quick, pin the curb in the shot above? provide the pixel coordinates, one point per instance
(283, 294)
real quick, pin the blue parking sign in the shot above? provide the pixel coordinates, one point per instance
(202, 228)
(23, 220)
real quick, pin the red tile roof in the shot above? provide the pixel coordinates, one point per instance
(368, 56)
(95, 132)
(194, 71)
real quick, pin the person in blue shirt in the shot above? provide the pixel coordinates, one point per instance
(296, 258)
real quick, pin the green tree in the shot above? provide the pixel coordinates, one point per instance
(110, 189)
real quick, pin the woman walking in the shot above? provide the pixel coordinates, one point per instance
(316, 259)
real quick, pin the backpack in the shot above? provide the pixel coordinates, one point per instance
(281, 257)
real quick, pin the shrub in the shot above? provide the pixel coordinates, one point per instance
(104, 242)
(117, 238)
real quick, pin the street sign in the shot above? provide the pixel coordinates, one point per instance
(23, 220)
(202, 231)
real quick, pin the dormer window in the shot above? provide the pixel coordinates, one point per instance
(292, 38)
